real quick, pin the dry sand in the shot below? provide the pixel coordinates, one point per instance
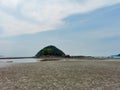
(61, 75)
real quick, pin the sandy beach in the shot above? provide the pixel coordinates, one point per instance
(61, 75)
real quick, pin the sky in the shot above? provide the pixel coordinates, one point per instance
(78, 27)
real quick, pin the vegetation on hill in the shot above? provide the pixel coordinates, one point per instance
(50, 51)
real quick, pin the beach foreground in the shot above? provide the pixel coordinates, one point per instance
(61, 75)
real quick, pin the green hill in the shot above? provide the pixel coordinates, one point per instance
(50, 51)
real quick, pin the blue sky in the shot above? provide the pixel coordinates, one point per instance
(78, 27)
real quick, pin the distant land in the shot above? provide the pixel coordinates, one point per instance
(52, 52)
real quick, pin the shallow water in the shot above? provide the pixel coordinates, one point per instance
(29, 60)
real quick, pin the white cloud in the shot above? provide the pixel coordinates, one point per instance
(12, 26)
(49, 13)
(10, 3)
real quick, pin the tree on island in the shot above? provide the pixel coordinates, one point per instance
(50, 51)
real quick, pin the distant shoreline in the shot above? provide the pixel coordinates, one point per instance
(55, 58)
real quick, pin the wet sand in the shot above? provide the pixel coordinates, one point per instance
(61, 75)
(5, 64)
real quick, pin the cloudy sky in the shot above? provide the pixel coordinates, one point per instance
(78, 27)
